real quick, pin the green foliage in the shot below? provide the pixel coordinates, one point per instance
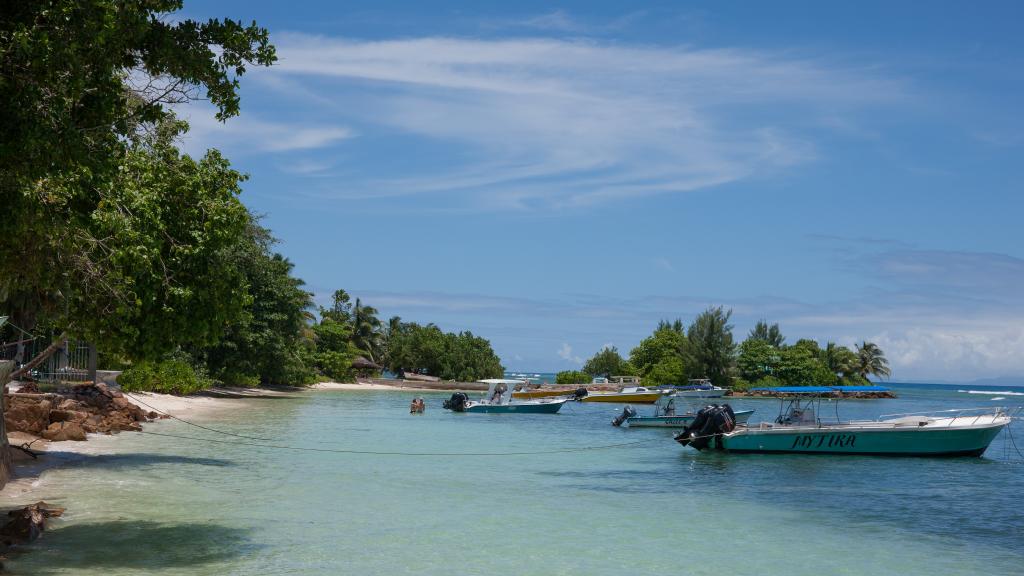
(669, 370)
(67, 96)
(83, 83)
(841, 361)
(757, 359)
(271, 341)
(710, 346)
(167, 223)
(607, 362)
(174, 375)
(799, 366)
(871, 361)
(572, 377)
(427, 350)
(770, 334)
(668, 341)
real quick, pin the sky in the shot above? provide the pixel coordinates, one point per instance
(559, 177)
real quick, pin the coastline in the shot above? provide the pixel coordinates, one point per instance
(54, 454)
(206, 405)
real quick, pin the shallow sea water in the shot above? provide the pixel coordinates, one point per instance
(145, 504)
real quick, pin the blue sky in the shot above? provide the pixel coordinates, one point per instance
(558, 178)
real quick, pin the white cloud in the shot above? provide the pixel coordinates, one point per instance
(548, 123)
(565, 353)
(246, 133)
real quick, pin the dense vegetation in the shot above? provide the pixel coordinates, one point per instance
(572, 377)
(114, 236)
(672, 355)
(427, 350)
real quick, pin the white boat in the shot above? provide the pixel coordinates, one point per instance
(665, 416)
(498, 400)
(698, 388)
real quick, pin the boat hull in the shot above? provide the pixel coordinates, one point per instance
(630, 398)
(532, 394)
(700, 393)
(923, 441)
(681, 421)
(517, 408)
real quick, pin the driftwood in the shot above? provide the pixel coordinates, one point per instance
(46, 353)
(26, 524)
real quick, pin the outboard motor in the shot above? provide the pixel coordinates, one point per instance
(627, 413)
(580, 393)
(711, 422)
(457, 403)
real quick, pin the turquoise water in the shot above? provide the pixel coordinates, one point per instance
(148, 504)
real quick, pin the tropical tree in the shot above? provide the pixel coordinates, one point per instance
(82, 82)
(770, 334)
(669, 370)
(608, 362)
(841, 361)
(667, 342)
(757, 359)
(871, 361)
(710, 346)
(366, 330)
(271, 342)
(426, 349)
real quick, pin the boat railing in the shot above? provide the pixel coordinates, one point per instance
(956, 413)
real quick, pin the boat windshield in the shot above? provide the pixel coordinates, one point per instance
(799, 411)
(499, 391)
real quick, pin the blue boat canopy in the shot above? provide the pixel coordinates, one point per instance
(820, 389)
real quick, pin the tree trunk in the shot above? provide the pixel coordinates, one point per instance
(46, 353)
(5, 454)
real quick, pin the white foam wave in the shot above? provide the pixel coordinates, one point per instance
(993, 392)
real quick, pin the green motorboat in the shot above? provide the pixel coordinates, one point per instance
(798, 430)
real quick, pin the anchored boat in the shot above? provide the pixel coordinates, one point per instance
(498, 400)
(698, 388)
(798, 430)
(630, 392)
(665, 416)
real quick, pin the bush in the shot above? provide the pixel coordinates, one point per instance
(572, 377)
(669, 370)
(173, 376)
(337, 366)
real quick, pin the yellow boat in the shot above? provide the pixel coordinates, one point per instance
(543, 393)
(630, 395)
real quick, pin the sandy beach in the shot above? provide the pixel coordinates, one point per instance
(28, 471)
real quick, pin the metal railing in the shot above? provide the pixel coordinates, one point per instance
(956, 413)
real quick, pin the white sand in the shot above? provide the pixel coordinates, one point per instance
(368, 386)
(181, 406)
(18, 490)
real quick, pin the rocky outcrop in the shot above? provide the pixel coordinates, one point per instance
(865, 394)
(83, 409)
(26, 524)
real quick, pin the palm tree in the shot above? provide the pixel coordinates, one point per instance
(871, 361)
(366, 329)
(840, 360)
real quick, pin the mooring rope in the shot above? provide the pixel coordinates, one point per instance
(370, 452)
(387, 453)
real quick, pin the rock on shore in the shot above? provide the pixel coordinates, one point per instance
(83, 409)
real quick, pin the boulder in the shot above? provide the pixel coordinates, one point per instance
(67, 416)
(59, 431)
(26, 524)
